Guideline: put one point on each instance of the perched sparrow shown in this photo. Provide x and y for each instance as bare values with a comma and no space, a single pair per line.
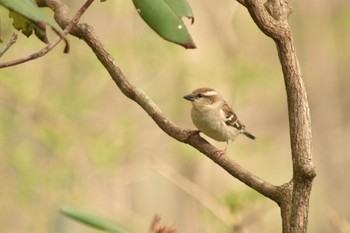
212,116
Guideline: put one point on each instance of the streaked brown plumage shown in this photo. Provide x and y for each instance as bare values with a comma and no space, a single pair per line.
214,117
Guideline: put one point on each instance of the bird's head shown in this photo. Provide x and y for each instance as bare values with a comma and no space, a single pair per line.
205,98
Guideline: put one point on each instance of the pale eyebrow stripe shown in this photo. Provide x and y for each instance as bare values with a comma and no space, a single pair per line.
209,93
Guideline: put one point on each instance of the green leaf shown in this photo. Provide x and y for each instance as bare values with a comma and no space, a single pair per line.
181,8
28,17
165,18
92,220
27,27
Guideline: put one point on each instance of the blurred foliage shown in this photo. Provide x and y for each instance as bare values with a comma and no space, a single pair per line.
69,137
240,200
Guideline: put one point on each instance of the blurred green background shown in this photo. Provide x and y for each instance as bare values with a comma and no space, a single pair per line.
69,137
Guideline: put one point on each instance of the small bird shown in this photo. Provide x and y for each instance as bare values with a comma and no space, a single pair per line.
211,115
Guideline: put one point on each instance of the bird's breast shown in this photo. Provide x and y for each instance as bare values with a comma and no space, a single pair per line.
213,126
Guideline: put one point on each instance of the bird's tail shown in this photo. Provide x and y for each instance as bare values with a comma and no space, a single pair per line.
249,135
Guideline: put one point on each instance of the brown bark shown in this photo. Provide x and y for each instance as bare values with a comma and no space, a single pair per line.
271,18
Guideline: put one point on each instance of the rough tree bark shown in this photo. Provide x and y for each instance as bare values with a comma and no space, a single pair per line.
271,18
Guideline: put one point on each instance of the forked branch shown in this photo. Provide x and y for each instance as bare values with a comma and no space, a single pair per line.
271,18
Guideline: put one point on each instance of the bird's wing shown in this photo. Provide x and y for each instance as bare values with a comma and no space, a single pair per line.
231,117
232,120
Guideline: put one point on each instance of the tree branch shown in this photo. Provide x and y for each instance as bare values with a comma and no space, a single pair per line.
271,18
86,33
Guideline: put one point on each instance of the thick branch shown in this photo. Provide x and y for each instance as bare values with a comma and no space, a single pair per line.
299,113
300,135
86,32
271,18
265,21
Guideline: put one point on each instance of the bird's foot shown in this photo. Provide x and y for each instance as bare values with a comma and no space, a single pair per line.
191,133
220,153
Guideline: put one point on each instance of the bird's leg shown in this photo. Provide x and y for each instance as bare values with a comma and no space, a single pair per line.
226,147
220,153
190,133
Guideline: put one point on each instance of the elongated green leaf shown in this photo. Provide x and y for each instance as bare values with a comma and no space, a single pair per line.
92,220
165,18
33,19
181,8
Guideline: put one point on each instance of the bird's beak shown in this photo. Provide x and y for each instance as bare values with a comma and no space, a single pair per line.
189,97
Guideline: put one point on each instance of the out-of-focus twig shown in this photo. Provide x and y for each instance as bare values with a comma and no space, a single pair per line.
11,42
339,221
157,228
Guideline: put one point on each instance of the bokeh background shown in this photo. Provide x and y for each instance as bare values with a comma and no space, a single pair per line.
68,137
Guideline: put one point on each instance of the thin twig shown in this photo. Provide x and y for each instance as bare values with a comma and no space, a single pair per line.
33,56
53,44
11,41
77,16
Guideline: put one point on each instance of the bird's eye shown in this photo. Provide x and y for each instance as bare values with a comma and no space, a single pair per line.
199,95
